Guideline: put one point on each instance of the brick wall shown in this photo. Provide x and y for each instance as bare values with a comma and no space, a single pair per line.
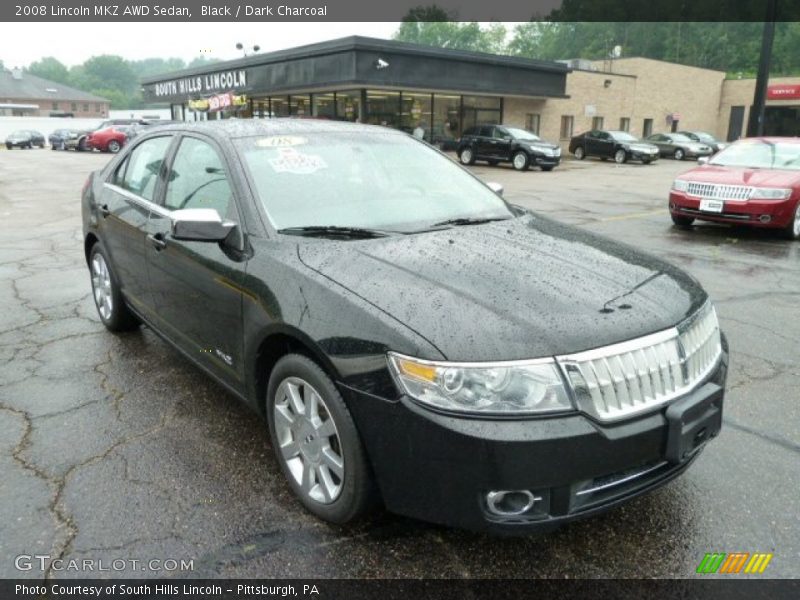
46,107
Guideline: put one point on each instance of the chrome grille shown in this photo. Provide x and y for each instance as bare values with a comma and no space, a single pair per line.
719,191
622,380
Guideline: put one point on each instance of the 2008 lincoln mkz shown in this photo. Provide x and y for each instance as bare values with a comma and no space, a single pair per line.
410,337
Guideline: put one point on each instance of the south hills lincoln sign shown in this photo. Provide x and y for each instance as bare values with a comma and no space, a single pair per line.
201,84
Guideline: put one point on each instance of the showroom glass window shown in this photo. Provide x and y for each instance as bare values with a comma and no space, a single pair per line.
446,118
143,167
279,106
348,105
300,106
383,108
478,110
325,105
416,110
198,179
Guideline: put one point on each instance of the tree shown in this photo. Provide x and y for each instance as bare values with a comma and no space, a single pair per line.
50,68
451,34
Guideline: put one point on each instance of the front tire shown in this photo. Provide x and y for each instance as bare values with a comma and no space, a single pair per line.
108,300
316,441
679,154
620,157
466,156
580,153
114,146
792,231
682,222
521,160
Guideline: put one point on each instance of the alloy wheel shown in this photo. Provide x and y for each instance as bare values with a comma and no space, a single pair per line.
101,286
308,440
678,154
519,161
579,153
466,156
796,225
620,157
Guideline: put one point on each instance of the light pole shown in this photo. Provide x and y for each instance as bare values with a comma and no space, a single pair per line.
755,124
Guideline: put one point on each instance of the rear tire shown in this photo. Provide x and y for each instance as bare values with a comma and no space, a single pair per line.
466,156
108,300
313,436
682,222
580,153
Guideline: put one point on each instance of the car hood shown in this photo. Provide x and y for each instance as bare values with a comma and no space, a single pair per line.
742,176
540,145
641,146
523,288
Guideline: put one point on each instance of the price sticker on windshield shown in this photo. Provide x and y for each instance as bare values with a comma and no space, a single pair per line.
281,141
709,205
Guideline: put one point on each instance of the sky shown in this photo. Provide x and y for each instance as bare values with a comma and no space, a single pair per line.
73,43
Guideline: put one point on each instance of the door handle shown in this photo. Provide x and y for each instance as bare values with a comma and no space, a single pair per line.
104,210
157,240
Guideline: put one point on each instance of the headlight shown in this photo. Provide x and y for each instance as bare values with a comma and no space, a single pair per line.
771,193
679,185
518,387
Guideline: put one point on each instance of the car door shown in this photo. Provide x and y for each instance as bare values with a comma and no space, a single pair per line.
502,143
196,285
663,143
485,141
127,199
592,143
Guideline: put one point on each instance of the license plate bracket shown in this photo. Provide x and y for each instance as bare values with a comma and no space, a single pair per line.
711,205
692,421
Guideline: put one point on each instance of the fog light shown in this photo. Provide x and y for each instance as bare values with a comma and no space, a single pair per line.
672,206
509,503
765,218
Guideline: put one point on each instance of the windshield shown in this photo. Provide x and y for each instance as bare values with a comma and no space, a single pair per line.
760,154
523,134
380,180
623,136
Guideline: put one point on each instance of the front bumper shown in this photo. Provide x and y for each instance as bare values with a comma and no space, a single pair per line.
758,213
644,155
546,161
440,468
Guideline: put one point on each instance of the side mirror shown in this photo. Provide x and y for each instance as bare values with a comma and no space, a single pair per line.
497,188
703,160
200,225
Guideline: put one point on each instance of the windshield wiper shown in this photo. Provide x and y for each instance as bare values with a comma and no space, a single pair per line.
469,221
336,230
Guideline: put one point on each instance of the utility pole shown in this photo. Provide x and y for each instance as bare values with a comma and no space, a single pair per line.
755,124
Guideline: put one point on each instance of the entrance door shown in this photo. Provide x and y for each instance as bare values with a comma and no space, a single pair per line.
735,123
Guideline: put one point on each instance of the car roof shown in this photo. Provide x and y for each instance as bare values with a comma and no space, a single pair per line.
239,128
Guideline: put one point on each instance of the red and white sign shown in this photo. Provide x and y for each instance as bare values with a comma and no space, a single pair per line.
783,91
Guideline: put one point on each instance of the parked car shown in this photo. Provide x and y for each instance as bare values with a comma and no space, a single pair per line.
24,138
619,145
705,138
111,139
83,145
500,143
754,181
64,139
408,335
679,146
136,128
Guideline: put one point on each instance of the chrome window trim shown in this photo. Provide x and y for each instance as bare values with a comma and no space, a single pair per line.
143,202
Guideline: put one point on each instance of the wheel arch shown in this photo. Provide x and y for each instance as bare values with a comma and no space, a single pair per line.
272,345
88,244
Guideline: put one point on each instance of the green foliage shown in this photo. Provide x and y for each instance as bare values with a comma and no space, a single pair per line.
432,26
50,68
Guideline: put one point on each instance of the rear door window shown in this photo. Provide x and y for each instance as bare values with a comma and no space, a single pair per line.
144,166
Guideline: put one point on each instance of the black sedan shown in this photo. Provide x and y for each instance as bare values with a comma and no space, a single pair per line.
705,138
619,145
24,138
408,336
64,139
497,143
679,146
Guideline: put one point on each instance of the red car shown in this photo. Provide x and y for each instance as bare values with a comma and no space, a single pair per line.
755,181
110,139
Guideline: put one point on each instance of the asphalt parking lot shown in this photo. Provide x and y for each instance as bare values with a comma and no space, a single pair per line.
115,447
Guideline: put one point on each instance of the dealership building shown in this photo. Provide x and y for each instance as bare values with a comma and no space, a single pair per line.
444,91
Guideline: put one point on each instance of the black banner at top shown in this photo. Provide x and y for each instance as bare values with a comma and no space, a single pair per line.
394,11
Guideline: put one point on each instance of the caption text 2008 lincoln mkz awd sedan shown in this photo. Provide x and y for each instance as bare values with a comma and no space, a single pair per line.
410,338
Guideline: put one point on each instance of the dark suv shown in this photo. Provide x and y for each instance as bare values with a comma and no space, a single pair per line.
498,143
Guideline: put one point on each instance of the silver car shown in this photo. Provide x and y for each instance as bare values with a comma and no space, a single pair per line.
679,146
